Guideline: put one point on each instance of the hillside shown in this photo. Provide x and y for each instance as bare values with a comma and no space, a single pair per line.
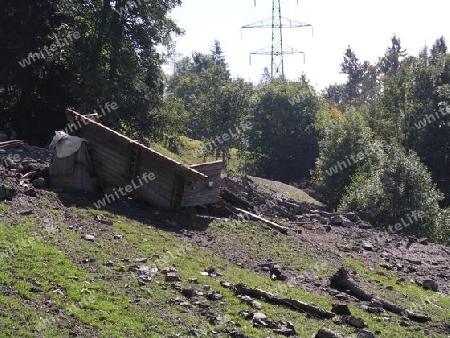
133,270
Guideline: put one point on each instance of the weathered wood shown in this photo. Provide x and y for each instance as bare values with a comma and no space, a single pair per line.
342,280
271,224
234,199
313,310
11,144
119,160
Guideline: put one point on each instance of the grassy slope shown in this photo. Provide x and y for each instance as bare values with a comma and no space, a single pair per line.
53,282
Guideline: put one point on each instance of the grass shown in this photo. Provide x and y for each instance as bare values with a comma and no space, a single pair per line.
108,301
267,186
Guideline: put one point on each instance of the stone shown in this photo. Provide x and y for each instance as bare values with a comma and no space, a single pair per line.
189,292
140,260
276,270
283,328
423,241
38,183
365,226
326,333
259,319
430,284
172,277
365,334
367,246
340,309
89,238
356,322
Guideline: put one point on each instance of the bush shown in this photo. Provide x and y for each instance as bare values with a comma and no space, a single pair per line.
398,185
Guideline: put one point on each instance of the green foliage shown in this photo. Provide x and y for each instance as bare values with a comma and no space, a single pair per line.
344,138
114,54
395,187
413,110
216,103
283,141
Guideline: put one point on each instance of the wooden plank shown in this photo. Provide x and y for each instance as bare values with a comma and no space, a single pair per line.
175,185
271,224
11,144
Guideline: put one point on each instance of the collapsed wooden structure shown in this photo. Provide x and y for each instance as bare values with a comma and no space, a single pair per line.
118,160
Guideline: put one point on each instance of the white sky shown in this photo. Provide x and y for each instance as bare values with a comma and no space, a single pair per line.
367,26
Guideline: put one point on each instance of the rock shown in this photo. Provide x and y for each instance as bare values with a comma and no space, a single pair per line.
144,273
365,226
356,322
326,333
225,284
423,241
259,319
189,292
365,334
109,263
214,295
283,328
340,309
276,270
246,314
430,284
24,212
140,260
38,183
351,216
367,246
341,296
172,277
210,270
339,220
328,228
168,269
89,238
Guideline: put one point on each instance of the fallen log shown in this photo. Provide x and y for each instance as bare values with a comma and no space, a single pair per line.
234,199
341,280
313,310
271,224
11,144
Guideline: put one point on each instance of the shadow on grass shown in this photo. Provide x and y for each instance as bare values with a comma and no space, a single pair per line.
174,221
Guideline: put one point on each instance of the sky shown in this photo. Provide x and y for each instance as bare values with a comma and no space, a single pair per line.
367,26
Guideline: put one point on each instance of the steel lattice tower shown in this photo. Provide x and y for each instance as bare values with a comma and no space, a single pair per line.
277,50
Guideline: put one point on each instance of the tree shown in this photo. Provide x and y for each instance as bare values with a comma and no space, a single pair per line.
215,102
346,143
390,63
283,140
115,50
355,71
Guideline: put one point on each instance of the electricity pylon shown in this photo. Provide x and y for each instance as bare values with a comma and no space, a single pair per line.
276,51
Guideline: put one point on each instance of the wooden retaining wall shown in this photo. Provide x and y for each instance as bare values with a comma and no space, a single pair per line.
120,160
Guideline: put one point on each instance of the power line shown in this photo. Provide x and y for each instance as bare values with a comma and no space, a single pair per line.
277,50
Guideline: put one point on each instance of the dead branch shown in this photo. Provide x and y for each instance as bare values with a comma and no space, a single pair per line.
342,280
313,310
